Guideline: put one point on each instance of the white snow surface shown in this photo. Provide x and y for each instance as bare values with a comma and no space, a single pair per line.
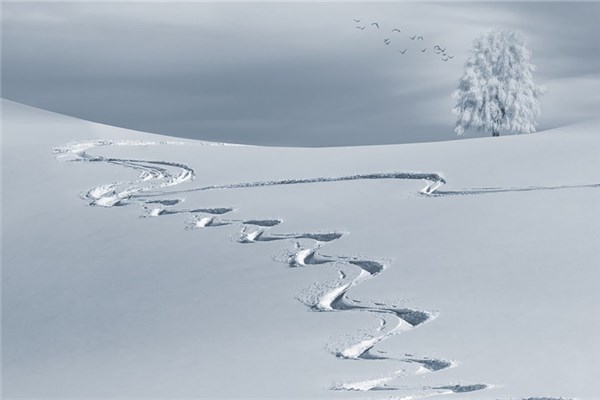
495,237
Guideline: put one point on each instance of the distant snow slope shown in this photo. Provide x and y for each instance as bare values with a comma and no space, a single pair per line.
136,266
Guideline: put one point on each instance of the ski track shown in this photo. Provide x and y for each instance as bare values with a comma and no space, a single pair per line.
434,180
154,176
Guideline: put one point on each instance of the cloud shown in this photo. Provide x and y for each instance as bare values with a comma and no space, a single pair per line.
274,73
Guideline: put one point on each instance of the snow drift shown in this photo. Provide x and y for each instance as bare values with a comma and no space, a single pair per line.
465,269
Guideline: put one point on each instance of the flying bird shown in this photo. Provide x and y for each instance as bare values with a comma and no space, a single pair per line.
387,41
357,20
420,38
412,37
362,28
375,24
402,51
396,30
423,51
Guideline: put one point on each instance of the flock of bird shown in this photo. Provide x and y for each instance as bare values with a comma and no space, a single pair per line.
437,49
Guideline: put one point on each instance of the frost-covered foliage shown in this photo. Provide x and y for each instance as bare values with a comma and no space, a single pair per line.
496,91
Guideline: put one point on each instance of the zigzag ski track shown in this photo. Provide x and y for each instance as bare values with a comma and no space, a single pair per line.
151,192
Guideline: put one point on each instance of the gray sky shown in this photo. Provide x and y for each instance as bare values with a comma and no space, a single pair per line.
296,74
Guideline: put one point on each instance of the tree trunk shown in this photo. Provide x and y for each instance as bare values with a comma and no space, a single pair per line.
495,133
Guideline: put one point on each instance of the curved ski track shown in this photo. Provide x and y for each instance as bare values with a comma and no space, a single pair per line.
320,297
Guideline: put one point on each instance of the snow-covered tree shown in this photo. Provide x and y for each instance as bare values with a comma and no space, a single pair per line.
496,92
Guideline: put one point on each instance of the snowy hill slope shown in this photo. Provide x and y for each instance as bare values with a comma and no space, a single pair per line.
136,265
